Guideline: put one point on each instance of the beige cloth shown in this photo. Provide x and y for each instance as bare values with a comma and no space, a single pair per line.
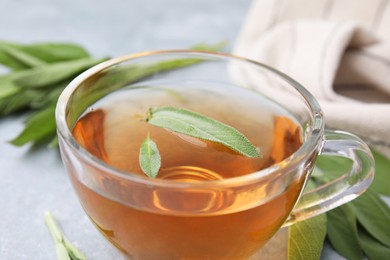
338,49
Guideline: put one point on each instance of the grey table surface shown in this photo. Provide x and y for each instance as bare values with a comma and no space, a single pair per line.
35,181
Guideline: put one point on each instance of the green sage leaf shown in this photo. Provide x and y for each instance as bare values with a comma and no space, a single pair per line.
374,215
196,125
54,52
332,167
64,249
10,62
38,127
38,88
381,181
208,47
22,57
306,238
7,89
372,247
62,252
149,157
18,101
53,73
342,232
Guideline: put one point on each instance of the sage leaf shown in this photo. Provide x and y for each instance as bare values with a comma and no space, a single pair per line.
24,58
374,215
53,73
207,47
149,157
61,252
39,126
23,99
73,252
47,97
54,52
199,126
17,101
53,143
306,238
371,247
29,89
64,249
332,167
9,62
342,232
381,182
7,89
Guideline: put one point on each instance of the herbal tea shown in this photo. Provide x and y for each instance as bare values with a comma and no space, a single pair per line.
212,224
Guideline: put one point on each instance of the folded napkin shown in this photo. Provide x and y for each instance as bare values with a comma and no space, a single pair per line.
338,50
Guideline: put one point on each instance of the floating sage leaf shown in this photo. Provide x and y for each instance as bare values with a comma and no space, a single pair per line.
149,157
22,57
371,247
342,232
374,215
381,181
64,249
199,126
306,238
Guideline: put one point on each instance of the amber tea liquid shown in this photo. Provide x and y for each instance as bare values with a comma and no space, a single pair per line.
148,223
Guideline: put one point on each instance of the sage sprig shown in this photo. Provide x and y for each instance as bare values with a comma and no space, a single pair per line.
64,249
39,72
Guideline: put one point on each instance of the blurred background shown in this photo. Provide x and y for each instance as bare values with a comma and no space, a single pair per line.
119,27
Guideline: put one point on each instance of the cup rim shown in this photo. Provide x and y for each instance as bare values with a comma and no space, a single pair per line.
288,163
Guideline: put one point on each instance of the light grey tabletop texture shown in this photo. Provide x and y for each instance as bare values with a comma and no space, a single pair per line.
32,182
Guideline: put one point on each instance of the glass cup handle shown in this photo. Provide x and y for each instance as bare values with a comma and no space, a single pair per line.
343,189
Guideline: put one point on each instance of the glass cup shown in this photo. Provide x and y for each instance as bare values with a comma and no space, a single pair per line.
230,218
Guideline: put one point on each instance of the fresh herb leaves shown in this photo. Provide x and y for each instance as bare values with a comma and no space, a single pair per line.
39,73
360,227
374,215
34,131
342,232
